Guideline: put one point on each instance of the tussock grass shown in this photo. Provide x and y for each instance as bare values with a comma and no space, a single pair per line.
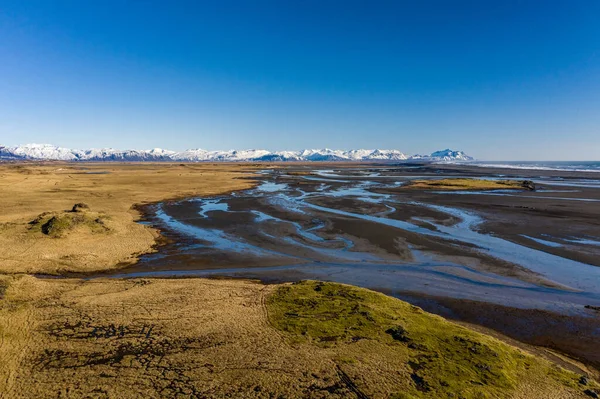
58,225
469,184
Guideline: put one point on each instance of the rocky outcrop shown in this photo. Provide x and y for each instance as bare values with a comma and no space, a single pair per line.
528,185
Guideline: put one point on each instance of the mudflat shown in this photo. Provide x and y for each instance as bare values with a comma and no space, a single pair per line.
524,252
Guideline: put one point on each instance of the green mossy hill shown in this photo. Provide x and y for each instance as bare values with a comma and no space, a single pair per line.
471,184
383,340
60,224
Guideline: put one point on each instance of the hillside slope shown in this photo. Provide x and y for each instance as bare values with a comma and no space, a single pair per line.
198,338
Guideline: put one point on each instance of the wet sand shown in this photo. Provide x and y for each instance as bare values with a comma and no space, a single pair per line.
510,253
573,335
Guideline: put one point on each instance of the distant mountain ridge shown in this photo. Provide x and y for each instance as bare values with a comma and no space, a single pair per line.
51,152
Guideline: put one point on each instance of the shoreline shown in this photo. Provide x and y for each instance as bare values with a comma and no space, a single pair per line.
114,191
529,165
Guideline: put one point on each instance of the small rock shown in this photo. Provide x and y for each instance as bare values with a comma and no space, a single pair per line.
49,226
528,184
583,380
398,333
80,207
591,393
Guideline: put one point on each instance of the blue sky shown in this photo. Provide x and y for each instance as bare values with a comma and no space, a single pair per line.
500,80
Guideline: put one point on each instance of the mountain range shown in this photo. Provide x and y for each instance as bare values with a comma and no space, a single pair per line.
51,152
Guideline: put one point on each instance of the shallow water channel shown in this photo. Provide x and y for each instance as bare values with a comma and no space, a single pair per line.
362,228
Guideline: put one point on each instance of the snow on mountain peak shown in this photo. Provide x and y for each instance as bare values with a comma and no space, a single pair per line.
52,152
449,155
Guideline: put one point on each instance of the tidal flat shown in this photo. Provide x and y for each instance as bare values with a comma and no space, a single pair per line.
516,249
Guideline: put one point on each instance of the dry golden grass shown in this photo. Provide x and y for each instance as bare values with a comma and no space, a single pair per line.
111,190
466,184
214,338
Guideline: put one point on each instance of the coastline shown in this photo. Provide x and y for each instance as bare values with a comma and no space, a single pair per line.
553,166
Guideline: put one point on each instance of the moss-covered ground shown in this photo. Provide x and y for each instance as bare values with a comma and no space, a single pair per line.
431,356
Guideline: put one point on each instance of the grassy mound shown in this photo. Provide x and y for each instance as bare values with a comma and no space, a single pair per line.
59,224
435,358
471,184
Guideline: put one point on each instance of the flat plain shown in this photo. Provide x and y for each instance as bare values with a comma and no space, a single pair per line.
65,337
108,236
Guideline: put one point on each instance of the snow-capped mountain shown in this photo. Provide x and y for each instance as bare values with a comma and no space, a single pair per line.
51,152
43,151
7,154
449,155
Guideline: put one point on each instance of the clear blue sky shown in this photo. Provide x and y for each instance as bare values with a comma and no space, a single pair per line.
498,79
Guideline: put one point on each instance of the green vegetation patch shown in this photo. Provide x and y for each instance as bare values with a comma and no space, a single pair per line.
440,358
472,184
58,225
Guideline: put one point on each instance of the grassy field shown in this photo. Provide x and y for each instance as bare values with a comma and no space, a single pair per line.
201,338
469,184
104,235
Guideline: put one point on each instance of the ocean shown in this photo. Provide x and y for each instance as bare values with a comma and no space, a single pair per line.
575,166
